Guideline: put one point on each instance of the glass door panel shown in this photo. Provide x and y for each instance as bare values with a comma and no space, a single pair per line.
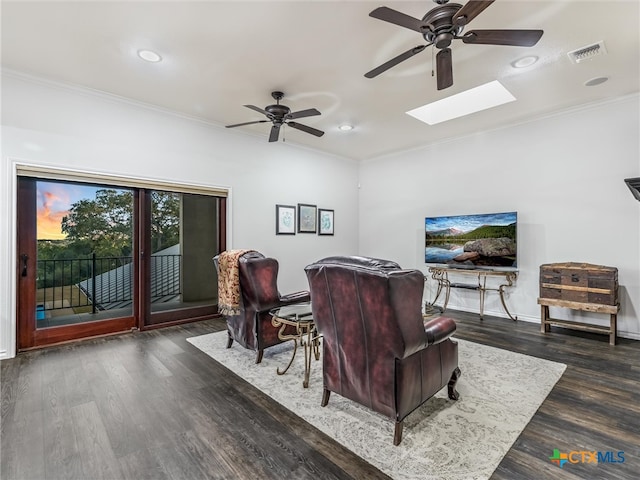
84,244
183,239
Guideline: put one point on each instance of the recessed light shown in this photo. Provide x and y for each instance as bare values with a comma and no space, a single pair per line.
149,56
595,81
345,127
474,100
524,61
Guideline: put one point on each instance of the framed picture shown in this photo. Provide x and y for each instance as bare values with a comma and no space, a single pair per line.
325,221
306,218
285,220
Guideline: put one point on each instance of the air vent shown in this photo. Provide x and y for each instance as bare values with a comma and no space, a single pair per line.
588,52
634,186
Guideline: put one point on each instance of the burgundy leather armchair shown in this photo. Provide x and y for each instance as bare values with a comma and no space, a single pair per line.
377,348
251,327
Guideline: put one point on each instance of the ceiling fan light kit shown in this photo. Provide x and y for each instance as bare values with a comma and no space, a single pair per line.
443,24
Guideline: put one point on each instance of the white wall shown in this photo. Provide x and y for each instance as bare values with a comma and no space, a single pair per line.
47,124
563,175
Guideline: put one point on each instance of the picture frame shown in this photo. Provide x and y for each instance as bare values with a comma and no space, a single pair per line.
307,218
325,221
285,220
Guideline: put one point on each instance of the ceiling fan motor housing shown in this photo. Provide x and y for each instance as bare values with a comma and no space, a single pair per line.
278,111
439,27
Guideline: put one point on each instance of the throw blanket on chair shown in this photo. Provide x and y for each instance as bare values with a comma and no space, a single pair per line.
229,282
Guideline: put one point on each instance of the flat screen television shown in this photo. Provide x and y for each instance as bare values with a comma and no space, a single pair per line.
486,240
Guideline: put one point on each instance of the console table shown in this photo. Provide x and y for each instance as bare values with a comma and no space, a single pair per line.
441,275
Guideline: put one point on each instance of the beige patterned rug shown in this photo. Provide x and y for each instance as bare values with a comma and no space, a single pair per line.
499,393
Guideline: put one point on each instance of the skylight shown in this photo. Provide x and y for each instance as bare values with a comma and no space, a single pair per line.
474,100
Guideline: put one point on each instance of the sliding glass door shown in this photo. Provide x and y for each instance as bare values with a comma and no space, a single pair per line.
97,259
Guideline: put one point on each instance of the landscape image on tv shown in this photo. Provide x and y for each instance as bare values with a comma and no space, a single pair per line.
486,240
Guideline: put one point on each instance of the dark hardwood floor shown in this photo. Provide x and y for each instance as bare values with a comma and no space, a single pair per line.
150,405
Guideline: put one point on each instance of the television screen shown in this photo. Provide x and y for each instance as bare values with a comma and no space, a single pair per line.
487,240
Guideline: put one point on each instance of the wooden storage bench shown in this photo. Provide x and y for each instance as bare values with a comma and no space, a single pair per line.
579,286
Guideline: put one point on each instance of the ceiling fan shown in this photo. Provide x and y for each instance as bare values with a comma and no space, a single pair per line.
443,24
281,115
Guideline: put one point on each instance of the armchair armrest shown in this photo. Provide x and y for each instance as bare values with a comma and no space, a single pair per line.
439,329
296,297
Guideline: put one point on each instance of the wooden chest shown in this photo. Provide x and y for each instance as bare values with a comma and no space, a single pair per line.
579,282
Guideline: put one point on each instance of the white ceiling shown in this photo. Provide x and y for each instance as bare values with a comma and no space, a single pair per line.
220,55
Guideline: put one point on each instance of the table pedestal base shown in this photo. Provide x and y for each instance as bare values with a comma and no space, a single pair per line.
306,334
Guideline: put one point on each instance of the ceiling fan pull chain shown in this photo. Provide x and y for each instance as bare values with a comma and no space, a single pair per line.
433,58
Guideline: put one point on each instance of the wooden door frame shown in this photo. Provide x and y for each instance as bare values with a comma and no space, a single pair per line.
25,276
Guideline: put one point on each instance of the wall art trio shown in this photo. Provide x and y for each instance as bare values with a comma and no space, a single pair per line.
310,219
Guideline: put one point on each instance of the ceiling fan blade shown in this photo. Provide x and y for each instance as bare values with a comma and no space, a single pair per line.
518,38
444,68
470,11
310,112
246,123
259,110
397,18
275,132
305,128
395,61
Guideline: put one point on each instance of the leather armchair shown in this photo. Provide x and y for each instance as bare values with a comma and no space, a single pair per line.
258,278
377,348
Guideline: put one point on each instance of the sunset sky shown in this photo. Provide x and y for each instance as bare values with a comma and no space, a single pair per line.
54,200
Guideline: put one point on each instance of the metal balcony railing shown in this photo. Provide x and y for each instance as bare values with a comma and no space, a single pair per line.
101,282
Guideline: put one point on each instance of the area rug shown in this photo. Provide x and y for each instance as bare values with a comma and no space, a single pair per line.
459,440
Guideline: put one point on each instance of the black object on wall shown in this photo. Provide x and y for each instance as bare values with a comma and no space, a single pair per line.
634,186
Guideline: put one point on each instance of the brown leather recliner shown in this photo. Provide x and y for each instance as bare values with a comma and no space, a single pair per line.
377,348
251,327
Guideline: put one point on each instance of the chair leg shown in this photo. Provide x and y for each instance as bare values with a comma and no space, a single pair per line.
259,356
229,340
325,397
397,435
451,386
